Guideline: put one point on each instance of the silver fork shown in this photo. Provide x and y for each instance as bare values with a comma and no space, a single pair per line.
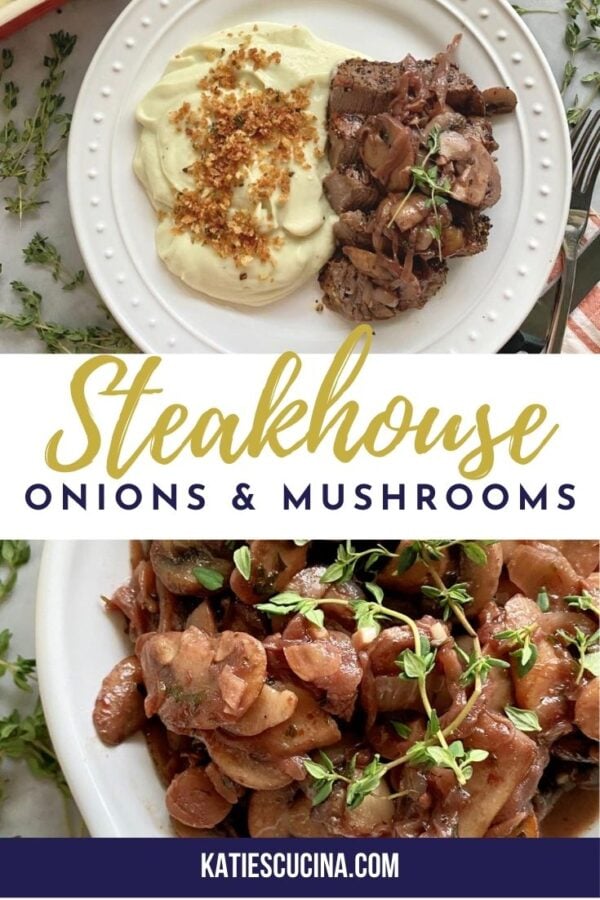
585,141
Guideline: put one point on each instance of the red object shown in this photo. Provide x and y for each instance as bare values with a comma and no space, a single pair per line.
28,16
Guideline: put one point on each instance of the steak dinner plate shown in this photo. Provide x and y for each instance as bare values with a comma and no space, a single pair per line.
485,298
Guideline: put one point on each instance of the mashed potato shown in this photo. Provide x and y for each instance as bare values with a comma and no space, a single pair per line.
275,204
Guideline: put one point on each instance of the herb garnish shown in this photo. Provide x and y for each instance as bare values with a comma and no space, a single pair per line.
524,652
587,648
426,178
209,578
27,151
543,600
41,252
62,338
21,670
413,664
584,602
583,19
401,729
13,555
26,738
523,719
243,561
478,665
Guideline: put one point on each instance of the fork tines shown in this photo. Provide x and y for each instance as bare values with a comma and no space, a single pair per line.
586,153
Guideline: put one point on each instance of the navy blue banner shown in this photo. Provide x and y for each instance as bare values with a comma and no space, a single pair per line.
300,868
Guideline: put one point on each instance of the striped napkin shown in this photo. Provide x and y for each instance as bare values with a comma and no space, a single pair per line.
583,330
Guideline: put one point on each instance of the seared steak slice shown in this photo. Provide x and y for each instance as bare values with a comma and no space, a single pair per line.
360,86
463,94
350,188
468,234
352,295
482,128
424,81
354,227
344,129
355,296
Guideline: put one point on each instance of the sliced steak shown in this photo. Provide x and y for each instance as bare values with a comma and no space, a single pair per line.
360,86
350,188
473,229
463,94
354,228
344,129
355,296
481,127
352,295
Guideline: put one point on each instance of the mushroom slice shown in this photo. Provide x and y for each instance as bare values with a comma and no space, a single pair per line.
482,578
175,561
251,770
587,709
308,728
223,785
273,564
192,799
274,705
268,813
196,681
499,100
119,708
326,659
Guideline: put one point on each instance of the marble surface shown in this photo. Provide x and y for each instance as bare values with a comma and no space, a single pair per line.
30,807
90,20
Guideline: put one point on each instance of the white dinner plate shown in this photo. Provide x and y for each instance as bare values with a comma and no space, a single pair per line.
486,297
116,789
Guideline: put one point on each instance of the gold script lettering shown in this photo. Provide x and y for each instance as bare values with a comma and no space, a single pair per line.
333,412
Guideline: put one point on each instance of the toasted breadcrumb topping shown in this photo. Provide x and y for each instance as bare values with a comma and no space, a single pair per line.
242,136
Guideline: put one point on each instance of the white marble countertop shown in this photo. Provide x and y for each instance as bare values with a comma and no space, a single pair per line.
30,807
90,20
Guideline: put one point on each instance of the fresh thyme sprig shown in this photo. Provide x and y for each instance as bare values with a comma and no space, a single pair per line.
62,338
583,20
413,664
26,738
433,147
587,648
347,559
13,555
27,151
478,664
40,251
21,670
524,650
431,551
584,601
